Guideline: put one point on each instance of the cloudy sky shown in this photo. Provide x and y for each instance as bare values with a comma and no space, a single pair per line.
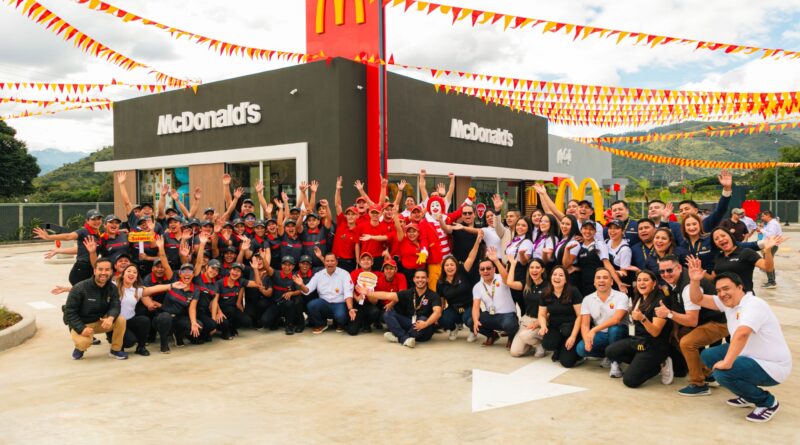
39,56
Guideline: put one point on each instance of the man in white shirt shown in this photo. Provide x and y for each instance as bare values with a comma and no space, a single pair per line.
602,313
335,289
757,354
771,228
500,312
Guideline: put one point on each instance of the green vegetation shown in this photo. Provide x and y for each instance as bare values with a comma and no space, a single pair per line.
8,318
77,182
757,147
763,181
18,166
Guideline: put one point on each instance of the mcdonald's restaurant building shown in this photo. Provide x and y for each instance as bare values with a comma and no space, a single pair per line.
308,122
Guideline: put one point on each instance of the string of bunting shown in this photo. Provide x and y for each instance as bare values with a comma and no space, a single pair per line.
600,93
582,32
92,107
680,162
221,46
60,27
706,132
47,103
80,87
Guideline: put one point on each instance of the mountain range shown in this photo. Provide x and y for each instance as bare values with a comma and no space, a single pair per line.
50,159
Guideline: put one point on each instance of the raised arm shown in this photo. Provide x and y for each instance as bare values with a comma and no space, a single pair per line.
226,189
470,261
422,186
384,190
398,197
176,198
451,188
696,274
547,203
126,201
193,209
499,228
767,264
312,202
491,253
360,187
162,201
337,196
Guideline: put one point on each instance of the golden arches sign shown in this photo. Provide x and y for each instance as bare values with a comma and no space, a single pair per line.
338,12
578,192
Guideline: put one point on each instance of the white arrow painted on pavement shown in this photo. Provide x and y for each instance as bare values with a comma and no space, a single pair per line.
531,382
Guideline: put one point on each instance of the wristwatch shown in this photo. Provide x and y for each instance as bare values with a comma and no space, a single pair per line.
669,315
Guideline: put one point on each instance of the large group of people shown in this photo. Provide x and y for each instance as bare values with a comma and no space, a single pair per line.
663,295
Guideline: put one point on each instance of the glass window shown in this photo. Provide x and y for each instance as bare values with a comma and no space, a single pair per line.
278,176
177,179
509,191
485,188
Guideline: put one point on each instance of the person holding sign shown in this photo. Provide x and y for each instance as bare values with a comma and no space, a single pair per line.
414,313
367,313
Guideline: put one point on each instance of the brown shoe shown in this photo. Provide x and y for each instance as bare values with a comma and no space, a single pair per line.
491,339
321,329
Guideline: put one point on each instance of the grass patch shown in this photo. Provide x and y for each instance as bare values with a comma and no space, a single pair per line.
8,318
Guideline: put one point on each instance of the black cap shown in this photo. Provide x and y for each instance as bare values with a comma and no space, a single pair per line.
110,218
194,222
208,209
147,204
294,209
136,206
230,249
171,209
249,214
93,214
270,220
238,221
312,215
239,266
185,266
156,261
305,259
248,201
589,223
615,222
123,255
260,223
288,221
185,223
206,222
143,219
227,223
287,259
215,264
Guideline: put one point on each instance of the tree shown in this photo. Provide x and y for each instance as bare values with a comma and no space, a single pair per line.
18,167
788,178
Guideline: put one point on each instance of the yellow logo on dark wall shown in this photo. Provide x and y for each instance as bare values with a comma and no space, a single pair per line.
338,11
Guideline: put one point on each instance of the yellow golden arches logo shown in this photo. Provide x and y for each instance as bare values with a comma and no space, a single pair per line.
338,11
578,192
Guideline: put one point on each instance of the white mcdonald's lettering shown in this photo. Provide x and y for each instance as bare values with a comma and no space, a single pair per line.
474,132
338,13
244,113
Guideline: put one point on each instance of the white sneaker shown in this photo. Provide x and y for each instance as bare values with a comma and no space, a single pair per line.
540,352
472,337
615,371
390,337
410,342
666,371
605,363
453,335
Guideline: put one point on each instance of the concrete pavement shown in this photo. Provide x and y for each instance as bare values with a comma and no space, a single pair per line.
265,387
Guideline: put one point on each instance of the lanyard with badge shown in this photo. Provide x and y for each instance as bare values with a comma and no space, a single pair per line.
490,295
416,307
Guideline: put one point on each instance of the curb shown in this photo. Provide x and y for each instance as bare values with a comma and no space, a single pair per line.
17,334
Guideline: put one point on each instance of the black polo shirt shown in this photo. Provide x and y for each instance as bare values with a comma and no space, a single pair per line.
228,291
176,301
315,238
207,290
533,297
281,283
83,233
113,248
292,247
741,261
410,304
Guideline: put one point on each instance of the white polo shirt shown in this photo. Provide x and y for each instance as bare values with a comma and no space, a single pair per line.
333,288
602,311
772,228
766,345
495,294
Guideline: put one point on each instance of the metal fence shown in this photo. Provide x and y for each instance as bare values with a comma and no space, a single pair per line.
16,219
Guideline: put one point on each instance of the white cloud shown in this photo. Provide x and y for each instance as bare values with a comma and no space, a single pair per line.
413,38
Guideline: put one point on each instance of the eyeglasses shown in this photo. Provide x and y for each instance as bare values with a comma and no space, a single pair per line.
467,213
664,271
482,269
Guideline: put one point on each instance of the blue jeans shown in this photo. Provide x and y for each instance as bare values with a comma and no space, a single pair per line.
497,322
451,317
743,379
401,327
601,340
319,311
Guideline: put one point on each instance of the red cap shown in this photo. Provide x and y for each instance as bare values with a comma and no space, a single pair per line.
414,226
363,254
413,208
361,198
389,262
375,208
351,209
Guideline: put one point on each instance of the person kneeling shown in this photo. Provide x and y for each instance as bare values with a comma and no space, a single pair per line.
494,293
602,313
413,313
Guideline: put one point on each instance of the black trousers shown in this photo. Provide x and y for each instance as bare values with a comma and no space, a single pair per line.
208,325
554,341
236,318
81,270
166,324
136,330
347,264
255,308
519,275
291,310
643,364
366,315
